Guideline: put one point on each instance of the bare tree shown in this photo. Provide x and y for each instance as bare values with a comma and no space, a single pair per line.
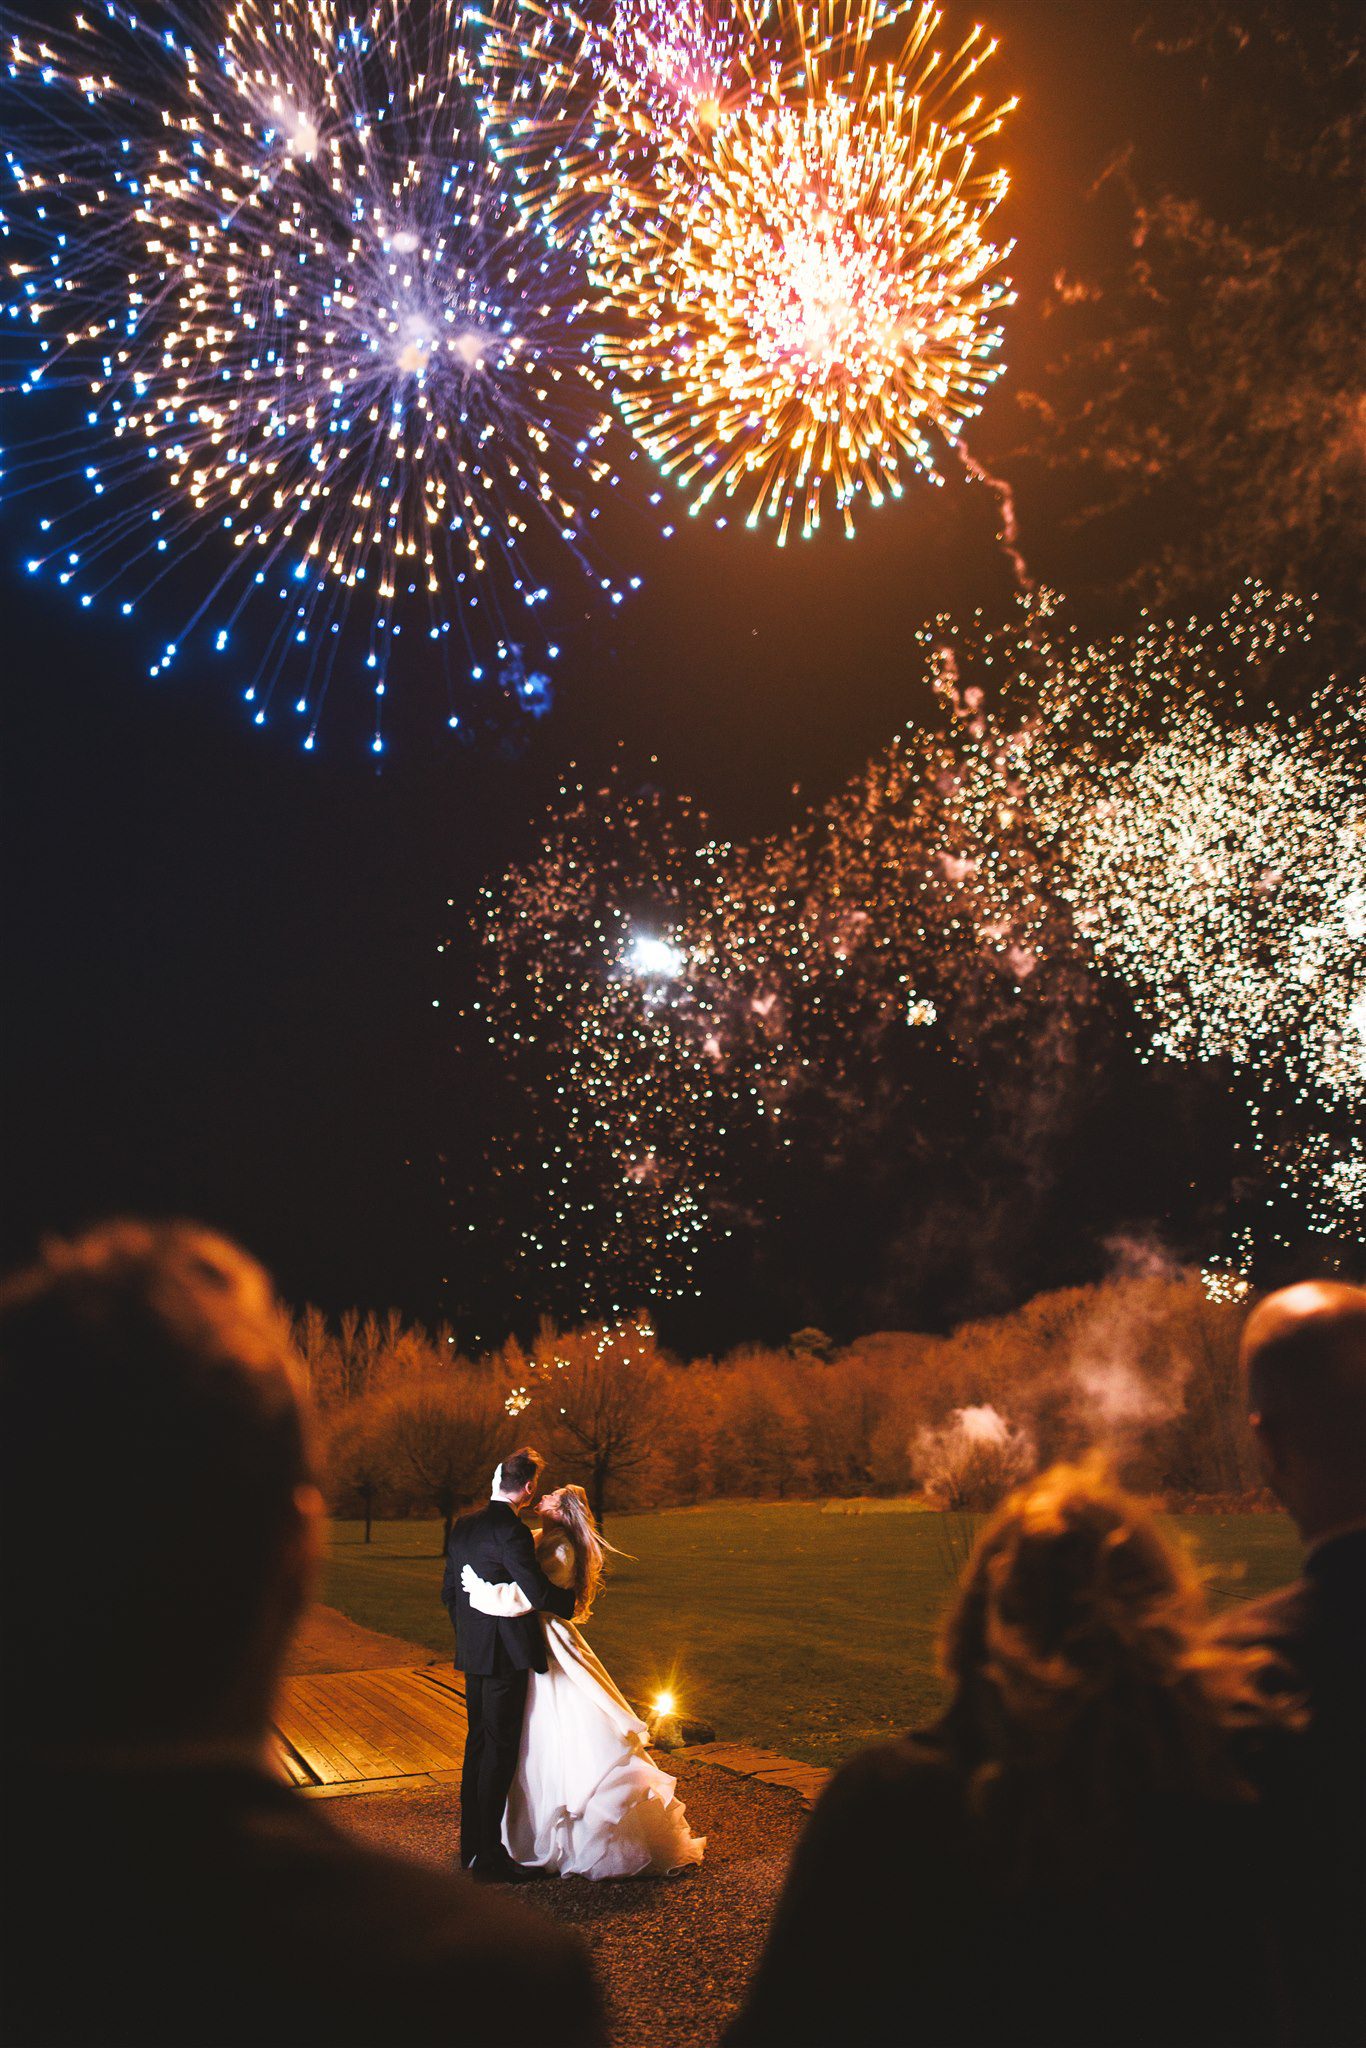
354,1356
445,1435
318,1354
357,1456
760,1443
600,1392
1205,391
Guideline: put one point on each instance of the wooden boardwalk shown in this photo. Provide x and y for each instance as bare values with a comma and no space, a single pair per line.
377,1731
363,1731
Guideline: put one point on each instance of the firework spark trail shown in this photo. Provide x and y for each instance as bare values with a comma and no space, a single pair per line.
800,297
685,1005
578,106
680,58
1224,875
327,355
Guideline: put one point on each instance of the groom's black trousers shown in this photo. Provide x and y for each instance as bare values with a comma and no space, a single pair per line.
495,1706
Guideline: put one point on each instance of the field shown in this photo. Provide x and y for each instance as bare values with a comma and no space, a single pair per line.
803,1630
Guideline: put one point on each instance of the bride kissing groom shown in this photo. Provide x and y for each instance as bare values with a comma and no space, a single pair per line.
556,1778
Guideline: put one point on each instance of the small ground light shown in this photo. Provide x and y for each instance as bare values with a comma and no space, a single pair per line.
664,1731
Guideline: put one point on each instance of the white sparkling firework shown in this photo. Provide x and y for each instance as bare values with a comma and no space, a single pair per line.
1221,872
1216,861
322,358
1084,805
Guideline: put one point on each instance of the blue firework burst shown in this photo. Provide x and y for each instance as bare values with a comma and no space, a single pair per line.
275,334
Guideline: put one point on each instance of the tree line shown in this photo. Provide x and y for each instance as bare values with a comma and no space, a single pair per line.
1143,1366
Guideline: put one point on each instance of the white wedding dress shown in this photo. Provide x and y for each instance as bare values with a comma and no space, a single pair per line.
586,1801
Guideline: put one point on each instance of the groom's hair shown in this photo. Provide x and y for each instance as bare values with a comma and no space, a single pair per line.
523,1468
152,1441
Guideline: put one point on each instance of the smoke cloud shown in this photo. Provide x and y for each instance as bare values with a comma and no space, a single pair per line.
972,1460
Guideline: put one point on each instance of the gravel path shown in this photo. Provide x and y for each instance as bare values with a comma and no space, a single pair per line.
673,1953
327,1640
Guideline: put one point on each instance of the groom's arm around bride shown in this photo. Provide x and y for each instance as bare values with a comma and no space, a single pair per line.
497,1544
496,1653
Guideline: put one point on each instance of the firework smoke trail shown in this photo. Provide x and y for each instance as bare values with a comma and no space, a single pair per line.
800,297
330,363
1008,535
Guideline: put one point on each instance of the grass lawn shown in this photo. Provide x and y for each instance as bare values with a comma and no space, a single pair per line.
807,1632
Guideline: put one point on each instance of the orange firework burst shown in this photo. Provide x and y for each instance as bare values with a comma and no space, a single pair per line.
803,311
800,293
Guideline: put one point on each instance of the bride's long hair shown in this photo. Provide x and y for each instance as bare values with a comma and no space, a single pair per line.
591,1548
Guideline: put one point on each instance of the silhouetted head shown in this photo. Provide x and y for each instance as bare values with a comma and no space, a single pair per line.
1304,1362
518,1477
1089,1682
160,1521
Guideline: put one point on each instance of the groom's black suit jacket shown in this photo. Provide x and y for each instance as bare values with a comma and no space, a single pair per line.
499,1547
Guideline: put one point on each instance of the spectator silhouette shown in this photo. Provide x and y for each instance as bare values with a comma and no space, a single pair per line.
1072,1855
160,1527
1304,1363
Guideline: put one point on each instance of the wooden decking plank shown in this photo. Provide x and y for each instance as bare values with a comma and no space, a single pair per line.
371,1721
412,1684
449,1683
327,1767
440,1740
418,1707
302,1729
372,1717
439,1748
423,1780
348,1729
328,1749
331,1723
287,1761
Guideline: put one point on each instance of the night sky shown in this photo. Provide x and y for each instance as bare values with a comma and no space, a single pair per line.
221,955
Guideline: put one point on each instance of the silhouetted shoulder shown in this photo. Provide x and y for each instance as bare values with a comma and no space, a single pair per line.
914,1775
397,1938
920,1760
218,1907
875,1878
1317,1626
1275,1620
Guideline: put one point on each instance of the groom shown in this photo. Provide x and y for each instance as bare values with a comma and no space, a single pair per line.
496,1653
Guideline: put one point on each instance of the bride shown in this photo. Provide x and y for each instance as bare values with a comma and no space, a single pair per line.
586,1801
